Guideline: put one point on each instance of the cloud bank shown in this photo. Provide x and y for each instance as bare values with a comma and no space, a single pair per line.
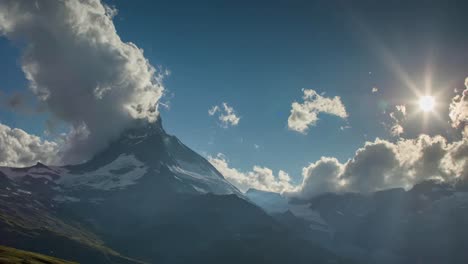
260,178
377,165
81,70
303,115
382,164
226,115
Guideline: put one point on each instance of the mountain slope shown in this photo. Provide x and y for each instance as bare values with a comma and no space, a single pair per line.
269,201
147,197
16,256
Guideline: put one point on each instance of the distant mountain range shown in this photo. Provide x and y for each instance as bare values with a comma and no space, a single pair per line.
147,198
426,224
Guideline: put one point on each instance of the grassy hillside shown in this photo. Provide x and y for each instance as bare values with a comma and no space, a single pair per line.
13,256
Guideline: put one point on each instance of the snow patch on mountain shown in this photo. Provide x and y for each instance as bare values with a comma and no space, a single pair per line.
303,211
37,171
64,198
203,178
120,173
198,169
198,189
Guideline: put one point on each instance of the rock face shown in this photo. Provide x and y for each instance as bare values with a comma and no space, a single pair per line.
147,197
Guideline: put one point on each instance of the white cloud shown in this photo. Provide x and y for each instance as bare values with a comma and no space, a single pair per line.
382,164
397,130
319,177
398,117
18,148
226,114
212,111
375,89
377,165
260,178
372,167
459,110
78,66
303,115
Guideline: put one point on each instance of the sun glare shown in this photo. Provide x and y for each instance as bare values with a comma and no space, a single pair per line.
427,103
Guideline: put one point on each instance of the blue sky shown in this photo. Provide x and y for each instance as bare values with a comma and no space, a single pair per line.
258,56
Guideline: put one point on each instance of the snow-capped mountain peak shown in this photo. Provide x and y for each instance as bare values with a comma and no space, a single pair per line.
143,152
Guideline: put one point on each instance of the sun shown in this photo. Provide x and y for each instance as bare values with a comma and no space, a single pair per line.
427,103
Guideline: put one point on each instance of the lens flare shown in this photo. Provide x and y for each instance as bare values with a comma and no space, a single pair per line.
427,103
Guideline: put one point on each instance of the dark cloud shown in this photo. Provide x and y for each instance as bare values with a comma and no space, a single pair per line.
16,101
20,102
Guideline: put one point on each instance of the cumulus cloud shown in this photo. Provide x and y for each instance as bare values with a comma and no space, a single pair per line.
18,148
398,116
303,115
372,167
319,177
375,89
81,70
226,114
382,164
378,165
459,110
260,178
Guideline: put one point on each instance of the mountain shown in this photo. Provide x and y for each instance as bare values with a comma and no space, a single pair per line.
147,198
425,224
143,151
